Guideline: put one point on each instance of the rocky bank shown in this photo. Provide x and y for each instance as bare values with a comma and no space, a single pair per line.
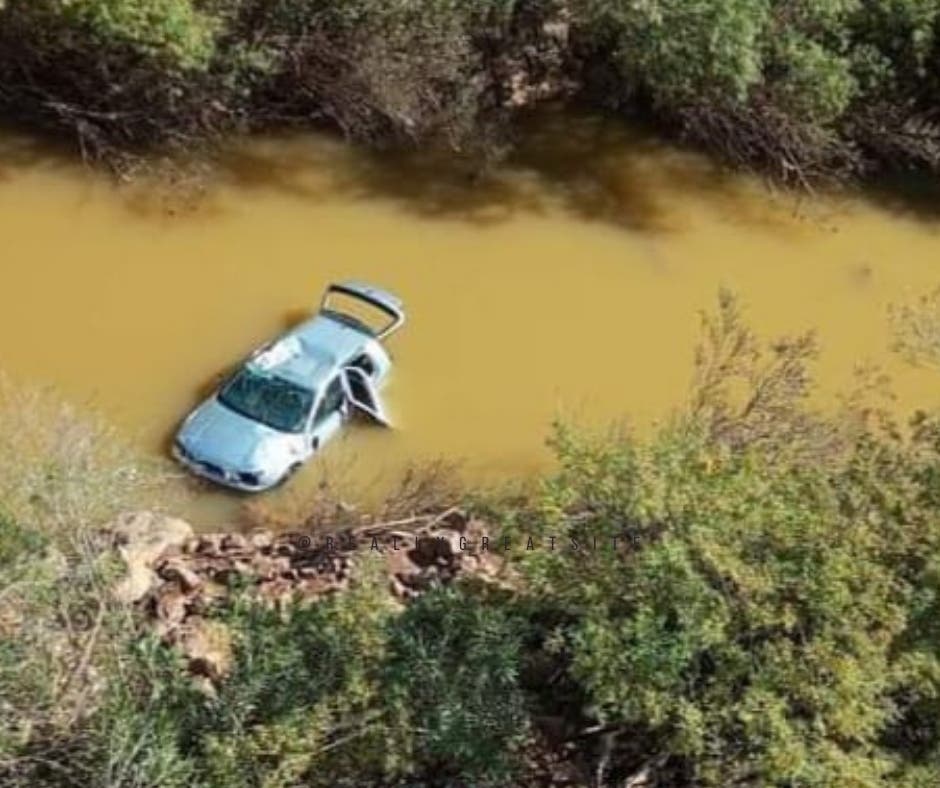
175,576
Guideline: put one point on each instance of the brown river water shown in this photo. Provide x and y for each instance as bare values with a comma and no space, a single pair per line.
567,283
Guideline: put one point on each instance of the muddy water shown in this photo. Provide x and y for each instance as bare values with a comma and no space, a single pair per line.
565,284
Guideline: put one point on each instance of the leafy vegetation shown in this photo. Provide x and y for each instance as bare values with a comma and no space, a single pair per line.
804,89
917,330
126,74
748,597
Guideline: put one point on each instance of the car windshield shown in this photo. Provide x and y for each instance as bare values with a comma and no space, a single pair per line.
273,401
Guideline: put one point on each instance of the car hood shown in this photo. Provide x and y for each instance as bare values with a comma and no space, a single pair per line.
217,434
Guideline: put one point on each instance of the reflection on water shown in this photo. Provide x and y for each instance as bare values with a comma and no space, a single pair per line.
565,282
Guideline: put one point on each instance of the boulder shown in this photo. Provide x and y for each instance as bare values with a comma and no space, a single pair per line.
141,538
182,574
136,584
261,540
234,542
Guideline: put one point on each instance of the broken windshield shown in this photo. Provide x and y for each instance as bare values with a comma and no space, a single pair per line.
273,401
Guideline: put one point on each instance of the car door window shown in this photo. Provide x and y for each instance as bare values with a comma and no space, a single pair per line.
332,400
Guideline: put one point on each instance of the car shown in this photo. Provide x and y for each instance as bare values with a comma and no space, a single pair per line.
291,396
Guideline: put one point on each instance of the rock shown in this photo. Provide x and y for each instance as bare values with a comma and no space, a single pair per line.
266,568
319,586
242,567
208,545
212,592
179,572
261,540
225,575
399,563
234,542
141,538
276,590
453,539
204,685
399,589
144,536
135,585
285,549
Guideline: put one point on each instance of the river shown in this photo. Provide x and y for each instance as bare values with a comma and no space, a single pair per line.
567,282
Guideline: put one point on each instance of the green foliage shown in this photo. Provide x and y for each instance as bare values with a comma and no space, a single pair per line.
680,49
343,692
123,73
917,330
133,736
172,29
745,619
763,619
300,684
819,83
805,88
787,84
452,682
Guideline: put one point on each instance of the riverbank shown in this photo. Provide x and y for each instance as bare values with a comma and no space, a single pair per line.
804,93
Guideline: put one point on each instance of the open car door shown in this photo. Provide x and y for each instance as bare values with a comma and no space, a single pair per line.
361,393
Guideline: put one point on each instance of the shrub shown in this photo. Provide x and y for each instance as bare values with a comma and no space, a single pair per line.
916,328
762,619
345,692
127,74
453,686
802,87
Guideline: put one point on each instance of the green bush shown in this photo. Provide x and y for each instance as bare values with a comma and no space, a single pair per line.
343,692
131,74
763,619
680,50
801,86
174,29
453,686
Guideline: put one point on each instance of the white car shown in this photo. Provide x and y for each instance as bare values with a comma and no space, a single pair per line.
294,394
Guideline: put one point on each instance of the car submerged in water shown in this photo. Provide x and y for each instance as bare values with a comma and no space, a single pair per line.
294,394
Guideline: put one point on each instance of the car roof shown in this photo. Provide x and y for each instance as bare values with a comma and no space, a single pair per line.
311,353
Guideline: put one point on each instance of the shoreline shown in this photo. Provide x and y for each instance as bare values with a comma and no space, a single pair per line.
121,89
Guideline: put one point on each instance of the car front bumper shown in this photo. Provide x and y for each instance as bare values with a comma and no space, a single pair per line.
217,474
